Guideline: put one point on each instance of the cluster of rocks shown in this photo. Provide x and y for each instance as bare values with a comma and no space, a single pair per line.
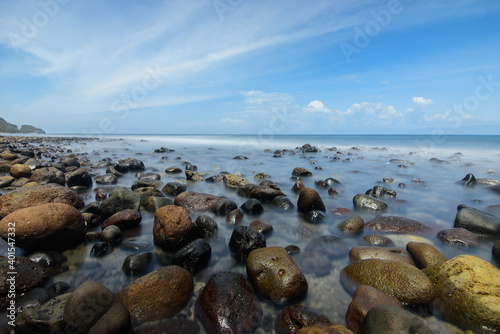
43,203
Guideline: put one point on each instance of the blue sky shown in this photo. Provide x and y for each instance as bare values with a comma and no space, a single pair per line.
256,67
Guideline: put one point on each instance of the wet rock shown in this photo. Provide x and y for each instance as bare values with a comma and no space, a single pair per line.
402,281
80,178
215,178
157,295
298,186
48,259
496,251
243,240
205,226
266,192
364,298
34,298
172,326
129,164
173,170
118,200
153,203
299,171
309,199
324,329
228,303
375,240
194,256
252,207
196,202
352,224
467,293
458,237
283,203
47,175
293,318
261,226
147,183
111,170
19,170
342,212
360,253
46,226
173,228
29,276
112,235
468,180
331,246
235,181
234,217
395,224
106,179
193,176
6,180
495,188
365,202
124,219
137,264
275,275
389,319
106,313
261,176
424,254
174,188
36,195
245,189
100,249
223,206
332,192
479,222
378,192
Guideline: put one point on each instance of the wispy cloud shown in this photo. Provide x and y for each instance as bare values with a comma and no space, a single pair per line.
421,101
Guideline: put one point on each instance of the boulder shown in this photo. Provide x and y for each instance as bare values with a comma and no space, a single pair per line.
205,226
158,295
403,281
20,170
173,228
482,223
300,171
80,178
45,226
47,318
396,224
309,200
252,207
124,219
295,317
266,192
424,254
107,178
352,224
196,202
360,253
174,188
244,240
47,175
194,256
119,199
36,195
228,304
223,206
275,275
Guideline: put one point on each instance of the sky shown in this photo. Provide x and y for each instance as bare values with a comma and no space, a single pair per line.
251,66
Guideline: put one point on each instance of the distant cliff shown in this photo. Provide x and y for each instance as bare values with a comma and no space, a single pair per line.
6,127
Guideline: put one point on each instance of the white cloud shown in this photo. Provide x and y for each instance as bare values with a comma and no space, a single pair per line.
316,106
234,121
421,101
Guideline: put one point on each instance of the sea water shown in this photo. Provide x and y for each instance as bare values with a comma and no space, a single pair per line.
358,162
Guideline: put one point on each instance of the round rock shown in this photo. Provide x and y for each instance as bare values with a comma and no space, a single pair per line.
309,200
173,228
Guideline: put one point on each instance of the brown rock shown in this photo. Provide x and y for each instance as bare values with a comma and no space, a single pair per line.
227,304
360,253
298,186
45,226
196,202
395,224
458,236
324,329
19,170
274,274
365,297
31,196
352,224
124,219
425,255
157,295
47,175
375,240
309,199
261,226
402,281
295,317
6,180
299,171
173,228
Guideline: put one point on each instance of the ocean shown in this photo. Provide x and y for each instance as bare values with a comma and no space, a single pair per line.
428,165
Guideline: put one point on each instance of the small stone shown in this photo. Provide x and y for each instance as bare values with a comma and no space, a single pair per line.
375,240
295,317
99,249
252,207
424,254
205,226
352,224
194,256
137,264
458,237
365,202
234,217
390,319
112,235
243,240
299,171
261,226
125,219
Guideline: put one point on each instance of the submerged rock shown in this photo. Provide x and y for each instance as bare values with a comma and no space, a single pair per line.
309,199
396,224
390,319
293,318
365,202
173,228
479,222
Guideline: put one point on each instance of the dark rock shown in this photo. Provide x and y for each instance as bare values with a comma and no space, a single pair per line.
395,224
332,192
295,317
332,182
292,249
479,222
352,224
190,167
46,226
496,251
275,275
402,281
148,176
46,175
36,195
228,304
424,254
223,206
378,191
298,186
173,170
111,170
173,228
158,295
99,249
105,312
153,203
299,171
194,256
243,240
365,202
48,259
119,199
261,226
129,164
196,202
283,203
106,179
124,219
137,264
265,192
147,183
34,298
390,319
234,217
240,157
58,288
458,237
46,318
80,178
215,178
495,188
252,207
468,180
309,199
205,226
178,325
360,253
174,188
112,235
375,240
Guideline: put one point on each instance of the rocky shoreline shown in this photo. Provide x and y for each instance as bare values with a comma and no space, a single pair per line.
56,201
